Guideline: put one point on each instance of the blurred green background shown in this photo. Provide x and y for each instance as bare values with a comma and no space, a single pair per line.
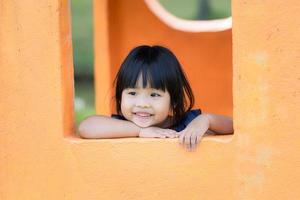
82,36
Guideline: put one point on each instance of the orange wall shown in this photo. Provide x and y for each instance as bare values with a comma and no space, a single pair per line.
40,159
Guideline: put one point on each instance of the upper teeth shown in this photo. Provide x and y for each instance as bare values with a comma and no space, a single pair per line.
143,114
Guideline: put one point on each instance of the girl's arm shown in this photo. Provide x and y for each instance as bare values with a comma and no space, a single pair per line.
98,126
220,124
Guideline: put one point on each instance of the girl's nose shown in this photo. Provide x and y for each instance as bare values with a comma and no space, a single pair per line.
142,103
143,106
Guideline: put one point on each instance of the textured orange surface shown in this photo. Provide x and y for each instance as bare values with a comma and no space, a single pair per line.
40,159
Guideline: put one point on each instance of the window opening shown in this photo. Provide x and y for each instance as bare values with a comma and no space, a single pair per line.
83,55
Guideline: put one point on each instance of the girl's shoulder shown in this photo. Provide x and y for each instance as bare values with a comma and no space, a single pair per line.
194,112
189,116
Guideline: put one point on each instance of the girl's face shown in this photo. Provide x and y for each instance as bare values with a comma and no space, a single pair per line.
145,106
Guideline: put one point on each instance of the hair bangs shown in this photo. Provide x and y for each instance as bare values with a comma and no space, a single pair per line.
153,77
151,73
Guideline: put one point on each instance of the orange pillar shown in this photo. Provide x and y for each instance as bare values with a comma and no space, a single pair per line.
266,90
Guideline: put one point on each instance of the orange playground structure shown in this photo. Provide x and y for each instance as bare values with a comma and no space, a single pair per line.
252,69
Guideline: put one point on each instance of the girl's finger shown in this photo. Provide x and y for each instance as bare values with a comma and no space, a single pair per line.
165,133
181,137
162,136
169,133
187,140
188,143
177,134
173,133
158,135
198,138
193,141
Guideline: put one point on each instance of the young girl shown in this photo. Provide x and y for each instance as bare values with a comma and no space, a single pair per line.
154,100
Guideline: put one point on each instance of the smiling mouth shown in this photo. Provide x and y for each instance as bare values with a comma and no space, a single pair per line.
143,114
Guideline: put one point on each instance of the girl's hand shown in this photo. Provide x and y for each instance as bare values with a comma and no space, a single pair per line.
155,132
193,133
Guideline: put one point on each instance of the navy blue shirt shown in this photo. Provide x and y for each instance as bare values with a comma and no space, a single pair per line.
192,114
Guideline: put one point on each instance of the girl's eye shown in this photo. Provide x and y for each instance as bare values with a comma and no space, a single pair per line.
155,95
132,93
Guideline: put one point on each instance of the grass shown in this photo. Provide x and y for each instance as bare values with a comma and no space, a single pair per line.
84,100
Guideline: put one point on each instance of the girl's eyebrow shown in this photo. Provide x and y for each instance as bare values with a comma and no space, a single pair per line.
151,89
158,90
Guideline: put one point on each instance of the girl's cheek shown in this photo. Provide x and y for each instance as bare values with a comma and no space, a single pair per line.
126,105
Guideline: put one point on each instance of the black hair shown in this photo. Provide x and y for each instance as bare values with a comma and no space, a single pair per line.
160,69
